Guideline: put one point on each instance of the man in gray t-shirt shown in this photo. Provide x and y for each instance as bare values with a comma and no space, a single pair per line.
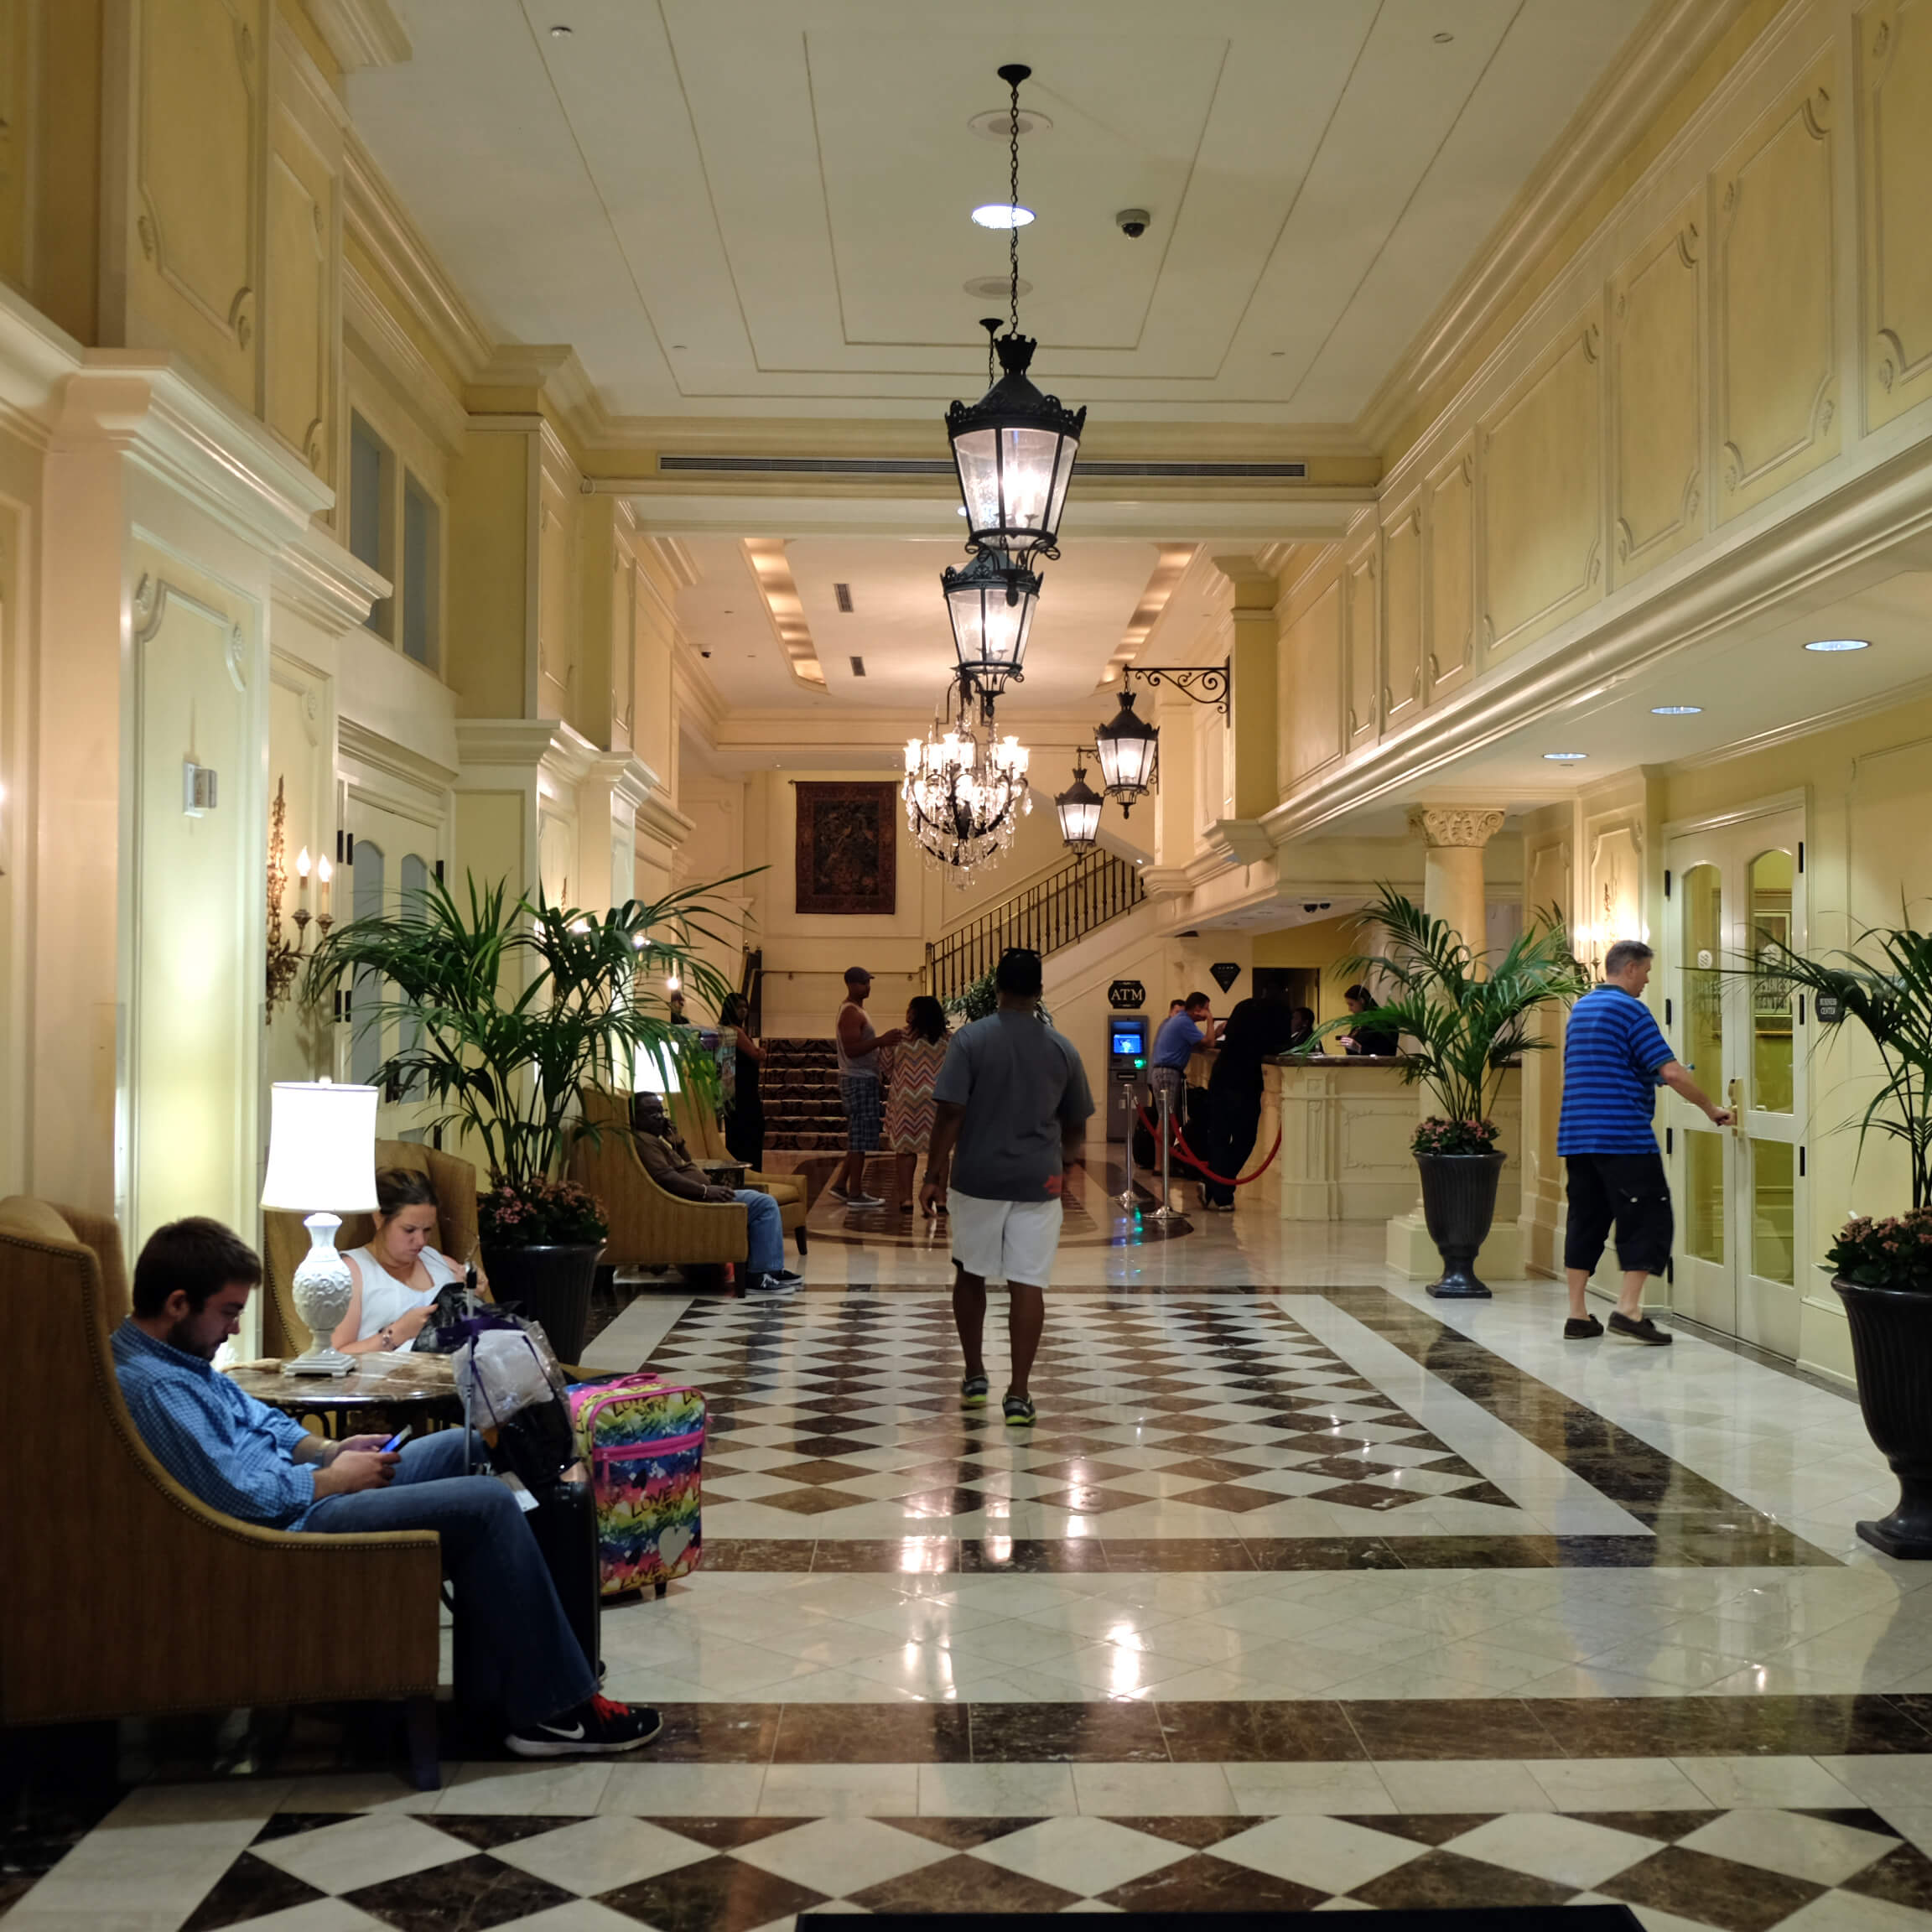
1010,1111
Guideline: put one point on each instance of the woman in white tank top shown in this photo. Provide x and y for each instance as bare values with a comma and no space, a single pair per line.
398,1275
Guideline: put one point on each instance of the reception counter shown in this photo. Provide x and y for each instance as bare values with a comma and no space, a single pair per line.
1346,1125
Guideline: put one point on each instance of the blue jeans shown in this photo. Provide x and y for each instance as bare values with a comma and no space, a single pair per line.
763,1232
512,1641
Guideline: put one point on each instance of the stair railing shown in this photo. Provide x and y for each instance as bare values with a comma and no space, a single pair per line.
1090,889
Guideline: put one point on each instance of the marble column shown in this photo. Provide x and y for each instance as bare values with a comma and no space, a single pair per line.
1453,891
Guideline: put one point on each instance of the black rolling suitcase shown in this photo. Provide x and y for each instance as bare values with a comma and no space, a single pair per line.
564,1523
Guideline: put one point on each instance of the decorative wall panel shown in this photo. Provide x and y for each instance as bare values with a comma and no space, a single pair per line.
300,391
16,51
556,582
1539,461
1658,461
1774,340
1402,682
1895,189
1450,638
1311,686
1363,654
195,270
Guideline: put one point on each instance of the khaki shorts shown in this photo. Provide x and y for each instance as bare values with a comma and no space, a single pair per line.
1003,1240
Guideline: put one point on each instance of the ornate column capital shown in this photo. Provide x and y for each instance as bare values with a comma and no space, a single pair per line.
1455,825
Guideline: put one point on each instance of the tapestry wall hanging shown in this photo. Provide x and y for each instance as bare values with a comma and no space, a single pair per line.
848,848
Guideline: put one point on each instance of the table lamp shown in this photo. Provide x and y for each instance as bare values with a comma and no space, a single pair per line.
321,1147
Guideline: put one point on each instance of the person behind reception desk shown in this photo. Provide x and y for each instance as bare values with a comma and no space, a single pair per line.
1187,1026
1372,1042
1257,1030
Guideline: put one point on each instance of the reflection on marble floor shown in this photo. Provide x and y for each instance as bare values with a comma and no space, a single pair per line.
1305,1593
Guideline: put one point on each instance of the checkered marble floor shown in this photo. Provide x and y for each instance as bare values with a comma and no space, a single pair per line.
844,1419
1837,1868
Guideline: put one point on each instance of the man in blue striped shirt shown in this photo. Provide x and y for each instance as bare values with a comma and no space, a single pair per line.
253,1462
1614,1059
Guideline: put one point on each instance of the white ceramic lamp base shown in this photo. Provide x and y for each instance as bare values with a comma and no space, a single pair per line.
322,1289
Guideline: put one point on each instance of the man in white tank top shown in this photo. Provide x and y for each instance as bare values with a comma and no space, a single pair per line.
858,1048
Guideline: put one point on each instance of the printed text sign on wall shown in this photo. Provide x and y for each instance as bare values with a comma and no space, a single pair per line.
1124,995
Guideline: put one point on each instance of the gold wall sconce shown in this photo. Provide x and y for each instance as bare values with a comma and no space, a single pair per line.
285,956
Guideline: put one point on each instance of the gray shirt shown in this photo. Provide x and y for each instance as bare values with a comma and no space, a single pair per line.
1020,1083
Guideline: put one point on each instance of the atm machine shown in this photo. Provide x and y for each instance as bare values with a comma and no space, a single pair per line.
1126,1072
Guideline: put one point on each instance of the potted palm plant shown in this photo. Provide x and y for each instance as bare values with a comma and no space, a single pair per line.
502,1007
1882,1269
1465,1017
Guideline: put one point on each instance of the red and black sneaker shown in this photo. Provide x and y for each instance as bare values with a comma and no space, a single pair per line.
599,1726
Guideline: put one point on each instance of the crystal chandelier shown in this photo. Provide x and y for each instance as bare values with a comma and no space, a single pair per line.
965,790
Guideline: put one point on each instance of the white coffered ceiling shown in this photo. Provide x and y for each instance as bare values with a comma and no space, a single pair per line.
759,207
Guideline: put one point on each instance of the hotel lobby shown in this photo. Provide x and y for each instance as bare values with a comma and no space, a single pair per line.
698,511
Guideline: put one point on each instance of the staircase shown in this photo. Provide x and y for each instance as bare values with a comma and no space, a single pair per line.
799,1083
1090,889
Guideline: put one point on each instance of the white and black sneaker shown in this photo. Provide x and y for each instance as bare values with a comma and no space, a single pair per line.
864,1203
597,1727
773,1284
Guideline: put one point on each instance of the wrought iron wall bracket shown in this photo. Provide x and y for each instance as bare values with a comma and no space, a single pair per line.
1203,683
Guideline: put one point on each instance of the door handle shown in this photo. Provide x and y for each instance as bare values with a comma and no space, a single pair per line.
1734,1099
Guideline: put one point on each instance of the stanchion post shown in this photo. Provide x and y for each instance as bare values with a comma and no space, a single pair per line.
1165,1211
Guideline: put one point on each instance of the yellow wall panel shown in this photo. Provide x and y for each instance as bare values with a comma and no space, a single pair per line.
1895,187
558,695
1656,358
1451,636
489,516
16,50
1540,465
193,283
299,350
1774,341
1364,691
1311,695
1402,682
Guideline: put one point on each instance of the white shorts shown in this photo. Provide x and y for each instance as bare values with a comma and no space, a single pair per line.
1003,1240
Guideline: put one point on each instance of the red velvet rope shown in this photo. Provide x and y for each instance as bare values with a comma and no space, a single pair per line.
1179,1146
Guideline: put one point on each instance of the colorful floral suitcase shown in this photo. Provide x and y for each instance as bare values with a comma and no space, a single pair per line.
644,1441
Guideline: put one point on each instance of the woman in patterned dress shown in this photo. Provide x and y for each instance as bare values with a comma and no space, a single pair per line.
916,1062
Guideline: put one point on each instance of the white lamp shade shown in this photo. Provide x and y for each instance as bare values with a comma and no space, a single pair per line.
655,1071
321,1147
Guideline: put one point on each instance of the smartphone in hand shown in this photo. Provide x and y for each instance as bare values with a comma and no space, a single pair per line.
397,1440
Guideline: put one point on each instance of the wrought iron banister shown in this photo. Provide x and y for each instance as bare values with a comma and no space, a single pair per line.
1086,892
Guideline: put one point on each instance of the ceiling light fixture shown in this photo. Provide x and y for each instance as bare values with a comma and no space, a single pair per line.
991,604
560,32
1676,710
1015,448
1566,757
965,790
1079,809
1003,215
1840,644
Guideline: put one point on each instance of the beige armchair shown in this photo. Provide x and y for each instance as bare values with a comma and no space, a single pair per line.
697,1124
649,1229
126,1595
285,1240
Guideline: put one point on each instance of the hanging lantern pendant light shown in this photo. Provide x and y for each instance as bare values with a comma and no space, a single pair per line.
1129,748
1079,809
1015,448
991,603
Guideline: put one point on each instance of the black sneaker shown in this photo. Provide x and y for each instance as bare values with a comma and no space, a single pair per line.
600,1728
1641,1330
972,1391
1018,1411
1582,1328
772,1284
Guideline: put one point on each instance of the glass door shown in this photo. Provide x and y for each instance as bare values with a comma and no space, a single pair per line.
1739,1190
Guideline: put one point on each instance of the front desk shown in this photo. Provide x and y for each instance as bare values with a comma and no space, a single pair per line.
1346,1125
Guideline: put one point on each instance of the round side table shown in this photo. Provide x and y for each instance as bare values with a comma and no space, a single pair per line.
385,1390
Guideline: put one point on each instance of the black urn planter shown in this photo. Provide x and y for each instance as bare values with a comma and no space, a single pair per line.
1892,1351
1458,1204
551,1285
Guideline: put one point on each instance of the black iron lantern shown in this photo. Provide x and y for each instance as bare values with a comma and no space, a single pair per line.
1129,748
991,604
1015,448
1079,809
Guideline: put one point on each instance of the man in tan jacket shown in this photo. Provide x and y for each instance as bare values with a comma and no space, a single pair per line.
668,1161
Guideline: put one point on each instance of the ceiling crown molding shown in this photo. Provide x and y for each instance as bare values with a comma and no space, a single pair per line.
361,33
1660,57
374,214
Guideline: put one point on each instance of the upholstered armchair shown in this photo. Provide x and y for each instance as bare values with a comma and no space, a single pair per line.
124,1595
697,1124
649,1229
285,1240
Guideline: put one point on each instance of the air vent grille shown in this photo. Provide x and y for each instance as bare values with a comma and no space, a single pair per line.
668,465
841,596
858,666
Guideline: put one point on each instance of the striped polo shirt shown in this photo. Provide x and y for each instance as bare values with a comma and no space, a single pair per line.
1612,1051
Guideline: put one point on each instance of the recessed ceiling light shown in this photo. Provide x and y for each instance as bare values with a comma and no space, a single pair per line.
1840,644
1676,710
994,287
996,123
1002,215
559,32
1566,757
1443,39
